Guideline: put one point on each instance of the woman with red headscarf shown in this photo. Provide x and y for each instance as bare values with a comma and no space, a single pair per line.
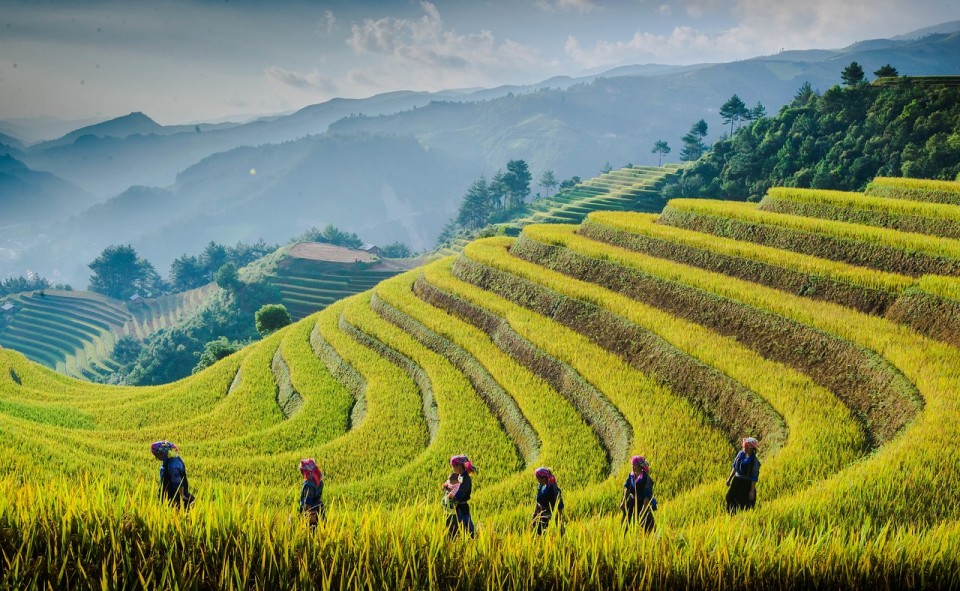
638,501
742,481
311,493
549,500
464,468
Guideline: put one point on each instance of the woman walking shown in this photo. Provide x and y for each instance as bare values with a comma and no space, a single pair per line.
742,481
174,487
637,502
464,468
311,493
549,501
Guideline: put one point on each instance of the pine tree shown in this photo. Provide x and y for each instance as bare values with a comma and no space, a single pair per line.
660,147
734,111
693,146
853,75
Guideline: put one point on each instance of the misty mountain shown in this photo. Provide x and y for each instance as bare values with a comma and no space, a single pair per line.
29,196
272,192
394,166
108,158
8,142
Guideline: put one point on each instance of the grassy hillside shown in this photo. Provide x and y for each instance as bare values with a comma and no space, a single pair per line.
825,332
74,331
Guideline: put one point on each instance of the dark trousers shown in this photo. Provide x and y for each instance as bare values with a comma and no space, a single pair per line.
461,520
644,516
315,515
738,496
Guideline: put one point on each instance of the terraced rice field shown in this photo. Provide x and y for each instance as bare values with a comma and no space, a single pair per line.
74,331
310,282
835,342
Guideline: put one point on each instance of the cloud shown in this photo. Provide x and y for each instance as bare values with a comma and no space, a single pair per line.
578,5
665,10
762,27
329,22
310,81
423,53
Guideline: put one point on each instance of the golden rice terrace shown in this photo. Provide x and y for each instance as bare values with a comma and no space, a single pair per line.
825,324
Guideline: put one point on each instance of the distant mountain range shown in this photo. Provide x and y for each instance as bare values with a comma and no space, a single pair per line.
390,167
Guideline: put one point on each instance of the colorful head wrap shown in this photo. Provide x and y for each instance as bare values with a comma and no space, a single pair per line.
543,472
462,461
309,469
750,443
161,449
641,462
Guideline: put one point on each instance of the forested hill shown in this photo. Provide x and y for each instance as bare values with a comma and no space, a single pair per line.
838,140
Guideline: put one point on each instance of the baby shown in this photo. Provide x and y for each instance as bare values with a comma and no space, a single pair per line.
450,488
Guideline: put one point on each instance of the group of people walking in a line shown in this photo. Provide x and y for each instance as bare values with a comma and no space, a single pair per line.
637,504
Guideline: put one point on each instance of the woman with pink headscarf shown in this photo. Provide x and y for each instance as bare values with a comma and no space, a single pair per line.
464,468
311,493
742,481
638,502
549,500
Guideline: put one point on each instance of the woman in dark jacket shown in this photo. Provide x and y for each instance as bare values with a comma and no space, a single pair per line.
637,502
549,500
464,467
311,493
174,487
742,481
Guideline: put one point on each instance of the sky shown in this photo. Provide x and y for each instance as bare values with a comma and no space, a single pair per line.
183,61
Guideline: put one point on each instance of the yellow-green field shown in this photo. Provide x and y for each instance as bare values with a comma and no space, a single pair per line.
574,346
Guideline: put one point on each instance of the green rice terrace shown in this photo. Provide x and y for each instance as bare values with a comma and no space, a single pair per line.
825,325
74,331
312,275
633,188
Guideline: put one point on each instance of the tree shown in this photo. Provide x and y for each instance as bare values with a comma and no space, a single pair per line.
548,181
734,111
886,71
660,147
212,258
227,277
187,273
853,75
126,350
607,167
476,207
758,112
216,350
517,182
116,271
805,94
31,282
335,235
396,250
498,191
693,146
570,183
271,318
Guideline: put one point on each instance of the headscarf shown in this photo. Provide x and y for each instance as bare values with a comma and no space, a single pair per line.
545,472
163,449
642,463
463,461
750,444
309,469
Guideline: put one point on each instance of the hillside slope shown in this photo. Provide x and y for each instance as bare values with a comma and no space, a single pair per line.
805,322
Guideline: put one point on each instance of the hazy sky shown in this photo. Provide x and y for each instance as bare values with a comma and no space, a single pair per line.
181,61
